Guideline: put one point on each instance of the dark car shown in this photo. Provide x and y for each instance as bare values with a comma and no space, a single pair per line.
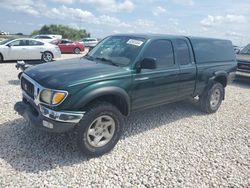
243,59
123,74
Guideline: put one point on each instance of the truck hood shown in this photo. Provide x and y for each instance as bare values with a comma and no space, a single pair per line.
67,73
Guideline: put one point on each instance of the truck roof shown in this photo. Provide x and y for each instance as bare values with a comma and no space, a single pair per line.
152,35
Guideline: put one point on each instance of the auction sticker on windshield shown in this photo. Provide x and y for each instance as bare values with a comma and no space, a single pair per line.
135,42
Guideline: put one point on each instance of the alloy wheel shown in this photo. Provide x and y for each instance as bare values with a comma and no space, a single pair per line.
215,98
101,131
47,57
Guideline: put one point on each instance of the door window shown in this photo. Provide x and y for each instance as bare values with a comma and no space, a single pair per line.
19,43
182,51
35,43
162,51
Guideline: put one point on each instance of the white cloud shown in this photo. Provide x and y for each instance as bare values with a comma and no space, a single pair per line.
127,6
73,13
158,11
182,31
184,2
111,21
174,21
64,1
25,6
234,34
111,5
27,9
143,23
84,16
211,21
116,31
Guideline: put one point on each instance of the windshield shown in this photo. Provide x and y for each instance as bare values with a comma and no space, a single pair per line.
245,50
117,50
5,41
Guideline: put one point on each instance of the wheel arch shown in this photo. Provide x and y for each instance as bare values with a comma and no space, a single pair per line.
114,95
220,76
49,52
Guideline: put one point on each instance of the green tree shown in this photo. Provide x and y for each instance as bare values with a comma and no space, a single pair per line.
65,31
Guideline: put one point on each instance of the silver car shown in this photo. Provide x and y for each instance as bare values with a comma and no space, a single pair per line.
27,49
89,42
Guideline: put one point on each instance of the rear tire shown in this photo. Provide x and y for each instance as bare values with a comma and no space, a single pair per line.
77,50
47,57
100,129
212,97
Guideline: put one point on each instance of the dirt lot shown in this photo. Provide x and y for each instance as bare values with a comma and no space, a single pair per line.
175,145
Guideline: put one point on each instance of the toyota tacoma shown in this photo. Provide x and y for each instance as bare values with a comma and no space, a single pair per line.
122,74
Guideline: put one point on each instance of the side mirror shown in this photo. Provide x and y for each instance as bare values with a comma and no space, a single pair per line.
9,45
148,63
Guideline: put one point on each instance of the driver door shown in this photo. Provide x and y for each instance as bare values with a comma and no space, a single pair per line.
16,50
156,86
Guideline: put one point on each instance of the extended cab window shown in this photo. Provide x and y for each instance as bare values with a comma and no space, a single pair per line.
182,51
162,51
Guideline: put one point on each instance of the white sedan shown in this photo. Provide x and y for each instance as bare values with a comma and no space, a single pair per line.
28,49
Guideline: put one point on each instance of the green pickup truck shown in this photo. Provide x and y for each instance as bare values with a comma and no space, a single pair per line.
122,74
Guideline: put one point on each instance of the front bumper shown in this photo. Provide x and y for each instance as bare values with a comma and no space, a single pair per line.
231,77
47,119
243,72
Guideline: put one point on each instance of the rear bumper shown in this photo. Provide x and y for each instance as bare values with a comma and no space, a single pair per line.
57,54
49,122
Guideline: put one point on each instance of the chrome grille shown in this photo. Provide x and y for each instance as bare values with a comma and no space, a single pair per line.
27,87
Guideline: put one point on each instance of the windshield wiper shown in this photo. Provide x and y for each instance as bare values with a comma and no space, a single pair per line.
106,60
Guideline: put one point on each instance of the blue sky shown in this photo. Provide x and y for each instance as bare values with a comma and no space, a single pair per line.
224,19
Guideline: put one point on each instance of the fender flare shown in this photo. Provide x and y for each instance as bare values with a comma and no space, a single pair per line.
213,78
216,75
104,91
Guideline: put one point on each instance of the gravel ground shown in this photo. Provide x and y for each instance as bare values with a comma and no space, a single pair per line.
171,146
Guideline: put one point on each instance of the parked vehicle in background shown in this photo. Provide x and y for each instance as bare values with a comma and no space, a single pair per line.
4,33
90,42
68,46
49,38
237,49
243,59
28,49
123,74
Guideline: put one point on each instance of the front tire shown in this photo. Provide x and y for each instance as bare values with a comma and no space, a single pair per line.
212,97
100,129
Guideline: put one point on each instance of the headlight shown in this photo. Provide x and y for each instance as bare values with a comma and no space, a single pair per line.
52,97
